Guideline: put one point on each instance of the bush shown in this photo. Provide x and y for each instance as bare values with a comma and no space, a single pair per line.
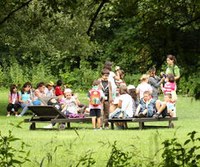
10,156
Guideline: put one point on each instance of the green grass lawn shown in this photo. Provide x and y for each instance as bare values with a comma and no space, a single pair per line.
68,146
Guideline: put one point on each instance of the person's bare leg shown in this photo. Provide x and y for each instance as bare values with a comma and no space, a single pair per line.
163,106
94,122
99,122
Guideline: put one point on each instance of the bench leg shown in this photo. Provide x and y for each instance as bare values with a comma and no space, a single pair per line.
171,124
32,126
68,124
112,125
141,125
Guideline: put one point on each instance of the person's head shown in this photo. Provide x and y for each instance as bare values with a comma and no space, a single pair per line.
41,86
144,78
105,74
13,88
117,68
123,89
59,83
171,59
147,96
68,93
50,85
168,97
152,71
170,78
132,91
121,74
26,87
95,83
108,63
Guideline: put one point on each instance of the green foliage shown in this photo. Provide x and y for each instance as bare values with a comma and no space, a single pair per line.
133,34
177,154
86,160
10,156
1,76
80,79
118,158
41,72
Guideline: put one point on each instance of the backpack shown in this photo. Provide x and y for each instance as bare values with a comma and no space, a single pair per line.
95,98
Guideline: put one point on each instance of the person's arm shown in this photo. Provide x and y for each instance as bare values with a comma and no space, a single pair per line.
110,92
176,73
153,82
20,98
137,110
119,104
9,98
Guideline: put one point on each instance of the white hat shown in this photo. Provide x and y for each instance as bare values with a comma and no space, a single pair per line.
67,90
130,87
117,68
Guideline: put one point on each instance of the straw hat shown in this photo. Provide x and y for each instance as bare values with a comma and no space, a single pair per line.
50,83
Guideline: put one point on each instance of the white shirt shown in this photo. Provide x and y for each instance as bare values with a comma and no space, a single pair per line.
142,87
127,104
111,78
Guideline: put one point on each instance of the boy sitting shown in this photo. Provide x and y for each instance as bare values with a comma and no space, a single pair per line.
147,106
167,107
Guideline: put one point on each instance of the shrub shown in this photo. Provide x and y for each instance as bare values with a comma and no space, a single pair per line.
177,154
10,156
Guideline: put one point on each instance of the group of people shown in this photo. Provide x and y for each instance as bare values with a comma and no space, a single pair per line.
44,94
108,98
115,99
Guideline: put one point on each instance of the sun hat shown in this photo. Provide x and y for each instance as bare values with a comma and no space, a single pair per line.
130,87
67,90
50,83
117,68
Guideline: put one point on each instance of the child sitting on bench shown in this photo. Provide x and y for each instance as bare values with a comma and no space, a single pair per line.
167,107
147,106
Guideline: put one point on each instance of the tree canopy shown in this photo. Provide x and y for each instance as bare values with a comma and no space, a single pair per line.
71,34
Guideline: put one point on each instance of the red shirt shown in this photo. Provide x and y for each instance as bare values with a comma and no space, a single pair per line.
58,91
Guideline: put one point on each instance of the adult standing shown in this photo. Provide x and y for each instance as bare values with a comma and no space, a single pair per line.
172,68
155,82
111,77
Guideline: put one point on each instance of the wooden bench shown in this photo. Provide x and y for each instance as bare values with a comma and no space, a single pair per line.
141,121
44,114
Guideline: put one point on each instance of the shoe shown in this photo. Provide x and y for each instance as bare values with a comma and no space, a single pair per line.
156,115
50,126
18,115
141,115
7,115
106,128
61,126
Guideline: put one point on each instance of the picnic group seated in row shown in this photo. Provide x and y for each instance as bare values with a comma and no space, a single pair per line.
41,96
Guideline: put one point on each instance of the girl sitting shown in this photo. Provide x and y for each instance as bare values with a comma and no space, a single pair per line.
25,98
13,101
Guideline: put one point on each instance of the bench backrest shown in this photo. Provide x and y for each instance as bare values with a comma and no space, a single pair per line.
46,112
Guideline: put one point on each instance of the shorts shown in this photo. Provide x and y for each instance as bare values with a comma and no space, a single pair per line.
164,112
95,113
